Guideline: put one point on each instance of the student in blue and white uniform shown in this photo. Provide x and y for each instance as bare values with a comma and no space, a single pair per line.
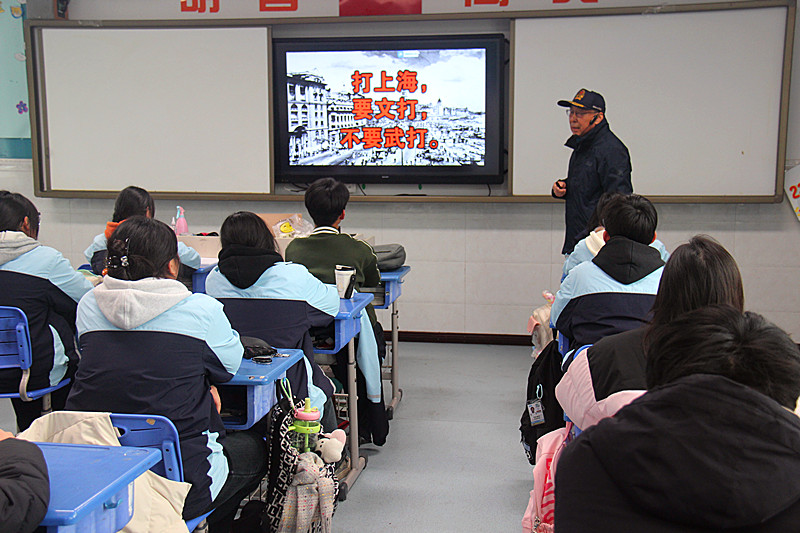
250,271
615,291
132,201
149,346
41,282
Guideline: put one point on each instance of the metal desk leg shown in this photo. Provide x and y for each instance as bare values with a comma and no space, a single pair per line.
357,463
397,392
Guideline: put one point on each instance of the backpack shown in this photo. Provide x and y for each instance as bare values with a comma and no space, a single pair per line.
390,256
542,380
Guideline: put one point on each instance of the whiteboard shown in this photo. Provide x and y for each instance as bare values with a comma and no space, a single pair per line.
167,109
695,96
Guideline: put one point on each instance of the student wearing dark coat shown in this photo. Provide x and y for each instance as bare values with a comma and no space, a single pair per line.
599,163
24,485
714,445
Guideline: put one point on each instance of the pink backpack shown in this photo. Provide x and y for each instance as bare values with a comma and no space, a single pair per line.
540,513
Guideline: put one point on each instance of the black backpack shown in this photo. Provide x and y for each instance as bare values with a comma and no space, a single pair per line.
542,380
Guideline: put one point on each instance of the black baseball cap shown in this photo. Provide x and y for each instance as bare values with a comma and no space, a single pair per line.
587,100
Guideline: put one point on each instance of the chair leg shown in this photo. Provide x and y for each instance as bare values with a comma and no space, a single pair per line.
47,404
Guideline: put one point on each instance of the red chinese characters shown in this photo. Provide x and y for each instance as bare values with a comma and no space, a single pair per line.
200,6
277,5
362,108
360,79
374,137
400,109
500,3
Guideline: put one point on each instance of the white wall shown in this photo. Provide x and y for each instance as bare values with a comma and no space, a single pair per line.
480,268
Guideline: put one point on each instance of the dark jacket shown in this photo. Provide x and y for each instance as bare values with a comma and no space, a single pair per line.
599,163
24,486
618,363
701,454
610,294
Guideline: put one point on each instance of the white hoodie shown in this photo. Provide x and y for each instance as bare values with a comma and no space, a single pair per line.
129,304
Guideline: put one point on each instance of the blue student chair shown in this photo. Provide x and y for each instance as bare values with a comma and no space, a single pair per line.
15,352
155,431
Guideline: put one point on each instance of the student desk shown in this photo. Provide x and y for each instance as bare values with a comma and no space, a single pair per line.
254,385
347,325
91,487
391,283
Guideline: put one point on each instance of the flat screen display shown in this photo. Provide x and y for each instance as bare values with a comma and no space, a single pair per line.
410,110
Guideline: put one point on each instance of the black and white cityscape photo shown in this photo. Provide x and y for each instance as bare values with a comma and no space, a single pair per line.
387,107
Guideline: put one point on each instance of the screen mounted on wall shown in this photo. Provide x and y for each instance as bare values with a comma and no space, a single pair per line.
393,110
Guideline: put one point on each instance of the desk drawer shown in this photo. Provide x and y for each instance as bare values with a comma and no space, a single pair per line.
246,405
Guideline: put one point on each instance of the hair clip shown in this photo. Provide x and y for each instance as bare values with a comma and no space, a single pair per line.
124,261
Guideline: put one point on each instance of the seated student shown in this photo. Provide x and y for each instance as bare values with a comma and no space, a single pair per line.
249,270
41,282
698,274
149,346
320,252
614,291
611,373
24,484
712,446
132,201
591,240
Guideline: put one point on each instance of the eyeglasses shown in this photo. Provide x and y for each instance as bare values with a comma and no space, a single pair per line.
580,113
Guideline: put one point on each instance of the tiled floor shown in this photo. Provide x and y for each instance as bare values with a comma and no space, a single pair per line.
453,461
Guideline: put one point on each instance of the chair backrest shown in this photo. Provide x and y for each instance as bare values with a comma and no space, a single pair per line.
15,339
281,323
152,431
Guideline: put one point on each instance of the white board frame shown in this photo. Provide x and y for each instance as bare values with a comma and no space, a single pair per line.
194,101
656,118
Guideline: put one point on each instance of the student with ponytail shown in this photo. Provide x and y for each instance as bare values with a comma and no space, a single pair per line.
149,346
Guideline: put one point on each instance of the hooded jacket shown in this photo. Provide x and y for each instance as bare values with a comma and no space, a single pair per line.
701,454
278,302
613,292
41,282
599,163
588,247
152,347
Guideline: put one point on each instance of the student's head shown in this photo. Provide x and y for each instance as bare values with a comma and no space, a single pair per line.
133,201
698,273
246,229
631,216
598,215
326,199
17,213
721,340
140,248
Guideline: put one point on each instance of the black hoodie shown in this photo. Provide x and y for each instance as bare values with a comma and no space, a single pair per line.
701,454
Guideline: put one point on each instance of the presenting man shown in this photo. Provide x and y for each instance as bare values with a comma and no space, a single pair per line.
599,163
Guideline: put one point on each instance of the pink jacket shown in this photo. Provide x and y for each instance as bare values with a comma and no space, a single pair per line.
575,393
